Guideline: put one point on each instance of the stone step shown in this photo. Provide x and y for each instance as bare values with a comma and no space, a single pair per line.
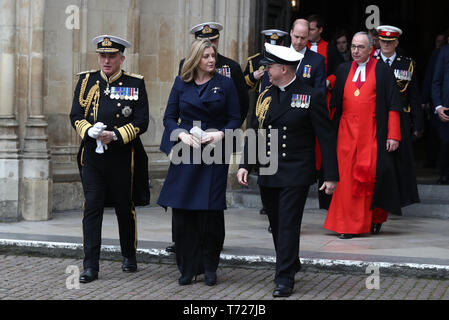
434,200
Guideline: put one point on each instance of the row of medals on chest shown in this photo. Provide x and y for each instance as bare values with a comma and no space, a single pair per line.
122,93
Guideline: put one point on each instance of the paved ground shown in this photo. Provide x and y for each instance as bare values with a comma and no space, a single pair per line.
409,260
41,278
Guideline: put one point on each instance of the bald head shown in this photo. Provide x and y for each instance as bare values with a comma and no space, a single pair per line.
300,34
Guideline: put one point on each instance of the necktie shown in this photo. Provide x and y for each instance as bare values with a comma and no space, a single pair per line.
388,61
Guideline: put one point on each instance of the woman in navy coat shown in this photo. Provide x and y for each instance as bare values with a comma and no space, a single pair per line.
196,191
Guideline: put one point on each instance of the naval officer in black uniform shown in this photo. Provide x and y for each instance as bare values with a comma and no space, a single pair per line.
412,115
294,114
109,113
254,70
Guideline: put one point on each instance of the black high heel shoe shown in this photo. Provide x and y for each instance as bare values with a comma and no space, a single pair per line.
186,280
210,278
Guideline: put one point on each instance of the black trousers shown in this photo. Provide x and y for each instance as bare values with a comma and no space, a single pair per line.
103,178
199,237
285,207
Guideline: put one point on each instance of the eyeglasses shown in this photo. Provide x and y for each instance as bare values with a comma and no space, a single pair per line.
354,47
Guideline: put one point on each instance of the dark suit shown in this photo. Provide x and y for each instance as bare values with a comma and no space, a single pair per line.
433,122
440,97
119,176
284,193
312,70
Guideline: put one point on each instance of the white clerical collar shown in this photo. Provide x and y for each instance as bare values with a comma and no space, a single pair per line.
384,58
361,71
314,46
282,88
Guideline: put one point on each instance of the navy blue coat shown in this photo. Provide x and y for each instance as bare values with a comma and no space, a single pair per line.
317,72
198,186
440,88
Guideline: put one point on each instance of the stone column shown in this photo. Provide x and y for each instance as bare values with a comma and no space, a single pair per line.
9,141
36,190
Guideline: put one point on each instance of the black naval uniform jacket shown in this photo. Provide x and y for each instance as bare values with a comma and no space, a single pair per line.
297,131
253,65
412,117
404,69
231,69
127,118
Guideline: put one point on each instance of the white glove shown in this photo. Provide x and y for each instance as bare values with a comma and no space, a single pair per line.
94,132
100,147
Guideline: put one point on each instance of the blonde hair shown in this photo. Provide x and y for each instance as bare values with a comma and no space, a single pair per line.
193,59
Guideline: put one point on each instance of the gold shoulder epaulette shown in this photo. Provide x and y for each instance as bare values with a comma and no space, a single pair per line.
89,71
252,57
134,75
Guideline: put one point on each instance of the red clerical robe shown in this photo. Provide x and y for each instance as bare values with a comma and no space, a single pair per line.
350,210
331,64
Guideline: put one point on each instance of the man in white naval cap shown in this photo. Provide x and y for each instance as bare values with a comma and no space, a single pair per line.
290,114
109,113
254,73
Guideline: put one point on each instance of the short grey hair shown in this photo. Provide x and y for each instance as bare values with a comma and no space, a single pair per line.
368,35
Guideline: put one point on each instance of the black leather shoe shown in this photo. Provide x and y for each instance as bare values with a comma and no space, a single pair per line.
185,280
443,180
282,291
171,249
270,230
263,211
346,236
375,228
129,264
210,278
88,275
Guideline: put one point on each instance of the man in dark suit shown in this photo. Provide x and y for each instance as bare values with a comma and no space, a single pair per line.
440,97
109,113
292,113
312,68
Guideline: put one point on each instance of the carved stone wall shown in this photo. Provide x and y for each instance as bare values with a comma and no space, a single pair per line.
45,43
